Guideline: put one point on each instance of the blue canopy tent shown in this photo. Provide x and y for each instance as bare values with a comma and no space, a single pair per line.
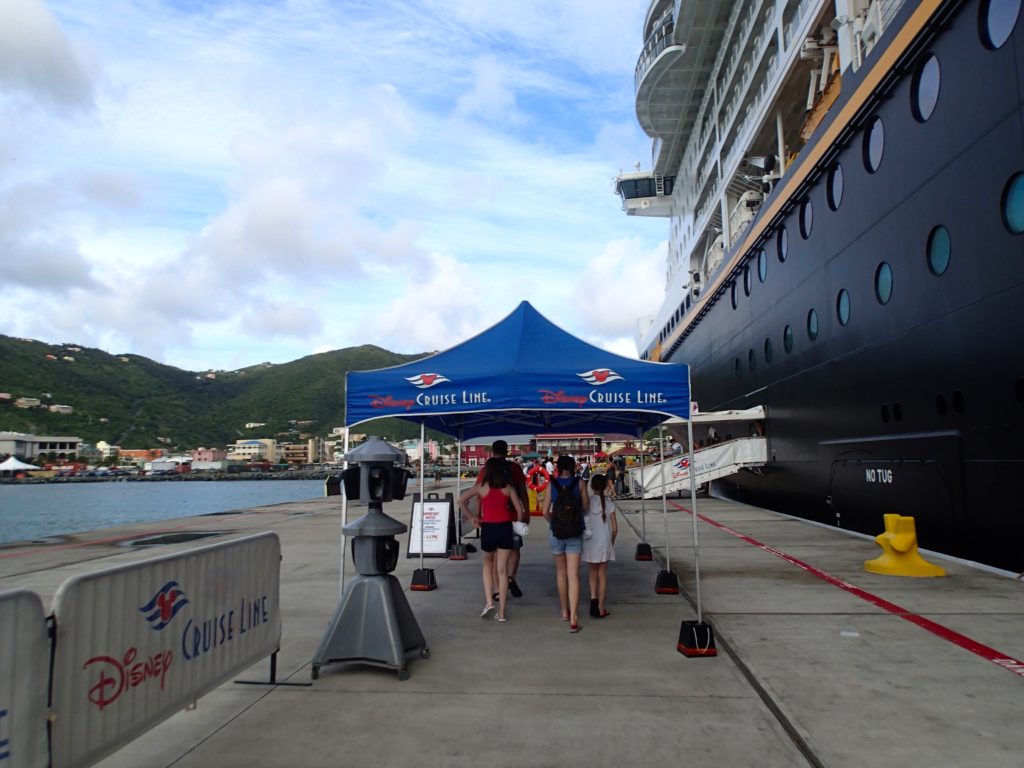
523,374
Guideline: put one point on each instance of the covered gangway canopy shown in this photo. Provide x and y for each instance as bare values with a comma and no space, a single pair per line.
524,374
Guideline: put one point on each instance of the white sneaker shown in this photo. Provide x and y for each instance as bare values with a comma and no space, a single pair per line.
520,528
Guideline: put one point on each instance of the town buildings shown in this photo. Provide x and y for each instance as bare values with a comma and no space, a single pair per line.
29,446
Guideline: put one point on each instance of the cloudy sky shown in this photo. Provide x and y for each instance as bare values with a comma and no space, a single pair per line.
215,183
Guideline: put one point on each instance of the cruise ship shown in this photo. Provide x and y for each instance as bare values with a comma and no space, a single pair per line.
844,186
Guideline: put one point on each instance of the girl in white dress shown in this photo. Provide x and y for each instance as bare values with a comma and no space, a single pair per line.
598,547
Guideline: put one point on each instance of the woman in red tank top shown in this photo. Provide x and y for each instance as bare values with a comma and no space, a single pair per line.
494,519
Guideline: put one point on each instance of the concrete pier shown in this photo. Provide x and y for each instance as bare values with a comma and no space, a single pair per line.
820,663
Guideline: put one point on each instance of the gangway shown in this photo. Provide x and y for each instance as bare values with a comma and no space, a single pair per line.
719,459
712,462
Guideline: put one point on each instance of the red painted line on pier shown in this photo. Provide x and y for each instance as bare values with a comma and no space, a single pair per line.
991,654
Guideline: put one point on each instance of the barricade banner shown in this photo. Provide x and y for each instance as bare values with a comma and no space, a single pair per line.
24,667
139,642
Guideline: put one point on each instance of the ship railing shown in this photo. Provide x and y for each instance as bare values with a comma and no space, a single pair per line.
659,39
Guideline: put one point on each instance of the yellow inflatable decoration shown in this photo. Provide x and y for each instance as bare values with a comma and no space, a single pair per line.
899,551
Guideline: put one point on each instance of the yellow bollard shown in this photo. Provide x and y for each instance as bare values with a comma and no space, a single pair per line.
899,551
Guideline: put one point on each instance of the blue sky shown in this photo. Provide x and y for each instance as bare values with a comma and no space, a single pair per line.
218,183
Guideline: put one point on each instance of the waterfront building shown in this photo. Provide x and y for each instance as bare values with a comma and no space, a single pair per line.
29,446
296,453
262,449
138,456
107,450
209,454
579,446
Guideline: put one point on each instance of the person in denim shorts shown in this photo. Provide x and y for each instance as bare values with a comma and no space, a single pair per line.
566,552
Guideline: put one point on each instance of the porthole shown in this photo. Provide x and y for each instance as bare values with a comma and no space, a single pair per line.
762,265
782,243
835,187
924,91
997,20
883,283
939,250
746,281
940,404
787,339
874,144
812,325
737,368
735,299
843,307
958,401
767,350
1013,204
751,361
806,218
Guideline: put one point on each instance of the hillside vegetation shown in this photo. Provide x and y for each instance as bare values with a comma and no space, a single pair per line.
135,402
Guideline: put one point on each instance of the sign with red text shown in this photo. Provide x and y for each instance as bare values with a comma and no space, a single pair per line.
437,519
24,669
139,642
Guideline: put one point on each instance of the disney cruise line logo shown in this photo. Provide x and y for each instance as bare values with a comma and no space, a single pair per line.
164,605
599,376
426,380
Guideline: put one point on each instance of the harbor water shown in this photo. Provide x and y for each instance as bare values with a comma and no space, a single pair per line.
39,511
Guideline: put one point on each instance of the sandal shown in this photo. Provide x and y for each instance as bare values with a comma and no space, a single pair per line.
574,628
500,618
486,612
602,613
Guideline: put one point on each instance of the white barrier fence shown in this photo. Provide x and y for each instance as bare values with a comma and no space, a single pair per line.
139,642
711,463
24,670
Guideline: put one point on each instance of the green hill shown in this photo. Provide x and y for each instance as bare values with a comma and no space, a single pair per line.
135,402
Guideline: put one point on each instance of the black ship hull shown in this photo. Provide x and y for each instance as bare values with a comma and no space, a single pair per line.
914,406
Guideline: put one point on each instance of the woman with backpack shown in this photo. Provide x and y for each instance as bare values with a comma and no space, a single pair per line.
564,510
598,548
495,523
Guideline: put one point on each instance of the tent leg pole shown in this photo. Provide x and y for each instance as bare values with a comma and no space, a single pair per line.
458,482
664,498
423,495
667,582
344,519
643,494
693,516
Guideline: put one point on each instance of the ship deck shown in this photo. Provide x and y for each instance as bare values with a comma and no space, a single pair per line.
808,671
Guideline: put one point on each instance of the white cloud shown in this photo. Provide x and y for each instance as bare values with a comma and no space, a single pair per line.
619,284
256,181
37,58
490,100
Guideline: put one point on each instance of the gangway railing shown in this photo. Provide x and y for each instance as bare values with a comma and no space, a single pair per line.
711,463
